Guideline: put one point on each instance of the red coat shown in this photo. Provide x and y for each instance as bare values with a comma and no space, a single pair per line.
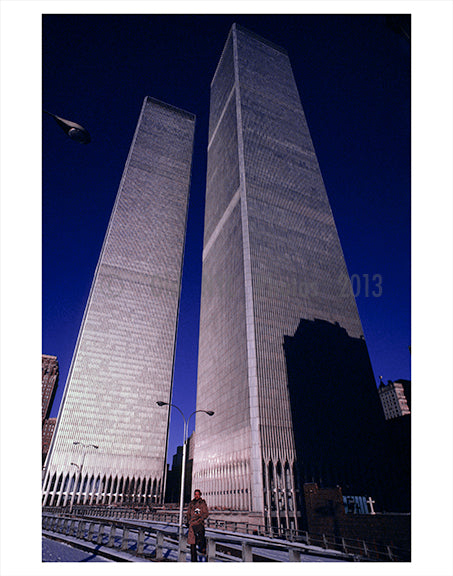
197,513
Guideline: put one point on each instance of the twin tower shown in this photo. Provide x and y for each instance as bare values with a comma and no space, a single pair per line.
280,335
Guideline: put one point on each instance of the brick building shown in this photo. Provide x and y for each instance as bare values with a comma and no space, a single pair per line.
393,398
48,428
50,375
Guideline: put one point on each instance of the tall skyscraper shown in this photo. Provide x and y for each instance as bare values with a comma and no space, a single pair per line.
110,433
272,262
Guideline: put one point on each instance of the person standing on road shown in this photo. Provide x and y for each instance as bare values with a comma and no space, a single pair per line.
196,515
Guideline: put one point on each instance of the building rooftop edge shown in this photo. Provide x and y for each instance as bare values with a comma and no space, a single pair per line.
230,32
170,106
248,32
238,27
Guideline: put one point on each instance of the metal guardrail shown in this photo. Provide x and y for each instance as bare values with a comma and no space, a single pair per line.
371,550
220,545
115,535
159,543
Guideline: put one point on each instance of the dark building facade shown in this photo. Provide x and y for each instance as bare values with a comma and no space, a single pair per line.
337,417
326,515
397,462
173,484
273,274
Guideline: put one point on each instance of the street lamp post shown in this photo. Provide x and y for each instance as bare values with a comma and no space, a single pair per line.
184,448
79,475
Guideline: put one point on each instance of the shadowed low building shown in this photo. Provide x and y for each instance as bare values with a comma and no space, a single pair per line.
337,417
326,514
173,484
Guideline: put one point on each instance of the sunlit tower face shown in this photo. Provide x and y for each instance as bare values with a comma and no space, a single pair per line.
124,355
272,258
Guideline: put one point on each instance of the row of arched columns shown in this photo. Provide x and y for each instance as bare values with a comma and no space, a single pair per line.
225,485
280,494
62,489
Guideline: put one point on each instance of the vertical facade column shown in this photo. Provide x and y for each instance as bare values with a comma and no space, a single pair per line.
256,450
59,493
267,491
286,489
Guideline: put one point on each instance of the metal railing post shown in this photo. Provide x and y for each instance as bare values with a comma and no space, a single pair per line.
159,544
140,541
210,549
100,534
125,539
343,543
90,531
365,549
67,523
247,555
111,542
182,548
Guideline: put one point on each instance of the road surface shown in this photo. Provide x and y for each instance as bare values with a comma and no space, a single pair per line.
53,551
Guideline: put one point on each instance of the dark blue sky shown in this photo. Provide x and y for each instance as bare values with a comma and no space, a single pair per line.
353,75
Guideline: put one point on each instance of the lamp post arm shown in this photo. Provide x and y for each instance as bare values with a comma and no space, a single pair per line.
179,410
188,420
182,414
208,412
